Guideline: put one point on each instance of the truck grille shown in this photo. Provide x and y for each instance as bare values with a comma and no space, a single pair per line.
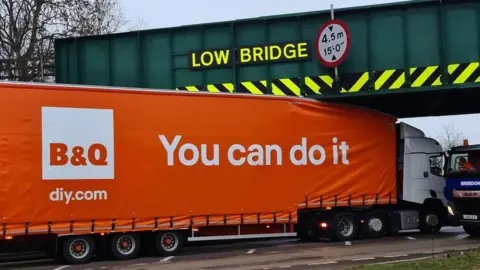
467,206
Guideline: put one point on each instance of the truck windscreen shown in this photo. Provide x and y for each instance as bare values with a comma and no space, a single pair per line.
463,163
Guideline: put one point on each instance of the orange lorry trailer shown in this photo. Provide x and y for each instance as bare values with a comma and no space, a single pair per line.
86,167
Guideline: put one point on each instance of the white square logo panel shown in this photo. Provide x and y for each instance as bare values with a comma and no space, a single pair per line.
77,144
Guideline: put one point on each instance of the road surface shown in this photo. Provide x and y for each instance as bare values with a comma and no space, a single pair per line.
287,254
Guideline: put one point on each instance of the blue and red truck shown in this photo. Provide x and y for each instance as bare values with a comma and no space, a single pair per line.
462,190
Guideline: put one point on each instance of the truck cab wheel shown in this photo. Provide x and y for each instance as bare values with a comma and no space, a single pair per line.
345,227
430,223
169,243
125,246
78,249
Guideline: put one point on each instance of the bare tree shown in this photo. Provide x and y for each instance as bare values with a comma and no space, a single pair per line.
28,29
450,138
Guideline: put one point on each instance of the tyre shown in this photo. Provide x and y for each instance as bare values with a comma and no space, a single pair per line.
125,246
77,249
376,225
473,231
345,227
169,243
430,223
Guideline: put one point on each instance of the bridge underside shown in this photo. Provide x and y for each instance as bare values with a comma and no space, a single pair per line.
407,103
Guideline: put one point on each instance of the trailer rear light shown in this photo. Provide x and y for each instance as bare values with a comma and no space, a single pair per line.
268,226
323,225
9,237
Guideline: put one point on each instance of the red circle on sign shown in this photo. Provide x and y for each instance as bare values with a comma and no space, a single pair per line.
347,49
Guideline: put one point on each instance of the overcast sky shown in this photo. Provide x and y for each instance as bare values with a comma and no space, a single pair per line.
161,13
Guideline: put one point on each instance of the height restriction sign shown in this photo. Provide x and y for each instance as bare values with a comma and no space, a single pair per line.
333,43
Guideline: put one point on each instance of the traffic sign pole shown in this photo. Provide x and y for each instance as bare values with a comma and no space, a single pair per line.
333,44
332,17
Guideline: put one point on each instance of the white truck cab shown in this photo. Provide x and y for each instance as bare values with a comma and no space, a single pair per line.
423,160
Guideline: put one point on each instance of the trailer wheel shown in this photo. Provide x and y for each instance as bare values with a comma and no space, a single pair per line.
125,246
345,227
78,249
169,243
376,225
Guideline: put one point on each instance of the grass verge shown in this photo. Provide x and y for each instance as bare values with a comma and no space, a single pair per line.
469,261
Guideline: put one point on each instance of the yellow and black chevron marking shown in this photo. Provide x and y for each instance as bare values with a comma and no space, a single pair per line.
193,88
354,82
425,76
286,87
389,79
316,85
213,88
464,73
255,87
220,88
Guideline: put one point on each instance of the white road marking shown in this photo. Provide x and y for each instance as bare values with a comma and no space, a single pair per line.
395,256
364,259
166,259
251,251
410,238
348,243
285,266
62,267
406,260
322,263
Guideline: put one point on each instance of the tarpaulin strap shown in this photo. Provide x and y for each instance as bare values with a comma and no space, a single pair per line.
156,223
290,217
224,219
321,201
26,228
363,198
171,222
49,227
390,198
113,225
133,223
274,217
241,219
258,218
208,220
335,200
93,225
191,221
4,226
350,200
306,201
376,198
71,226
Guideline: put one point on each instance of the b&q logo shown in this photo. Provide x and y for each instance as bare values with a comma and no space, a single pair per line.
59,155
77,144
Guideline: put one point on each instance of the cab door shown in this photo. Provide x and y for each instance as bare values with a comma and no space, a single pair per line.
436,176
